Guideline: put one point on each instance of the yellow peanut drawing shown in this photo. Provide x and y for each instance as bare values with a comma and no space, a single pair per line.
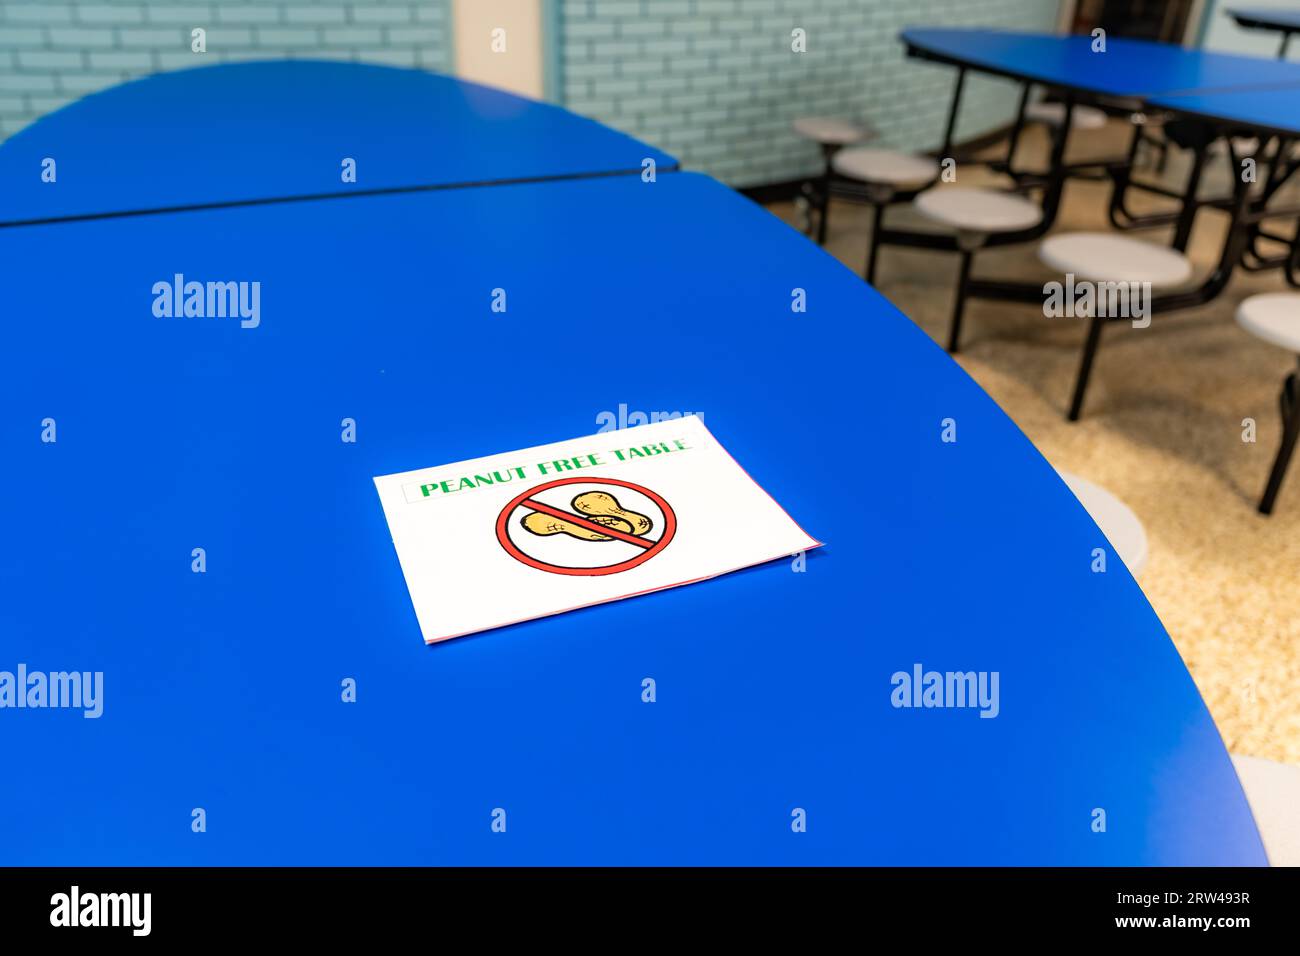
538,523
598,507
600,504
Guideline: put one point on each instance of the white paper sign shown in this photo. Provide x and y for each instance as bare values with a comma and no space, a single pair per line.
508,538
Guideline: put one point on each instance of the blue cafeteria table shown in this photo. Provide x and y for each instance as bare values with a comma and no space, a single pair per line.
1134,74
1273,111
1267,113
1128,68
1130,71
1285,22
222,689
268,131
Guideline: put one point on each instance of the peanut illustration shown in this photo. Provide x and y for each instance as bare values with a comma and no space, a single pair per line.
538,523
600,508
599,504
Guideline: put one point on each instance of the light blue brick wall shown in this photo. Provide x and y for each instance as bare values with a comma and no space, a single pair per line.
715,81
55,51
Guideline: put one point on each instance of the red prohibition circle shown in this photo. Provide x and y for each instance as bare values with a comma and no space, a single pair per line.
670,528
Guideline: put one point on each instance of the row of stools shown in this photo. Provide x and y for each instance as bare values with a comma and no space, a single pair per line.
888,176
884,177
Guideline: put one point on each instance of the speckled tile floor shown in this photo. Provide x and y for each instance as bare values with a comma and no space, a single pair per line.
1162,428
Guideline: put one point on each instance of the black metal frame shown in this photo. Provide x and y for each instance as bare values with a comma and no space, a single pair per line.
878,196
1052,184
1247,216
1244,216
1194,133
821,190
818,191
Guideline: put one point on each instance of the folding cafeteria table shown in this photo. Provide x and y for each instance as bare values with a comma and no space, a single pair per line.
1272,113
222,689
1145,75
1268,111
1126,68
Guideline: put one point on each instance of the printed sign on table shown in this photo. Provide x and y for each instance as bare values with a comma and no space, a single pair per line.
511,537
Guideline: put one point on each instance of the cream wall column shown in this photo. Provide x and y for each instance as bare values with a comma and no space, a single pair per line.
500,43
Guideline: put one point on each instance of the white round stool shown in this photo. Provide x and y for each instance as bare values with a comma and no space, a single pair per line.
885,167
1275,318
830,130
831,133
1106,257
1053,114
975,214
1115,519
886,173
1103,257
1273,792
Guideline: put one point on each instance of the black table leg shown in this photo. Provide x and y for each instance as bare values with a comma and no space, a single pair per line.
1085,366
959,304
1187,217
951,128
824,213
1290,402
873,248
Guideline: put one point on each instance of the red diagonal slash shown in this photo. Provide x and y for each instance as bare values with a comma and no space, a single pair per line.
585,523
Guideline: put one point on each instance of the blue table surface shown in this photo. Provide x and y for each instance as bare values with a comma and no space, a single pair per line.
1267,17
1128,67
1275,110
251,131
222,689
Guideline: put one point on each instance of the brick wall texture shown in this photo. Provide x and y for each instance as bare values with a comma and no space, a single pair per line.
55,51
713,81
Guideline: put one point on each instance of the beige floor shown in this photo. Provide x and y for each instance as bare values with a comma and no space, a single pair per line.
1162,428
